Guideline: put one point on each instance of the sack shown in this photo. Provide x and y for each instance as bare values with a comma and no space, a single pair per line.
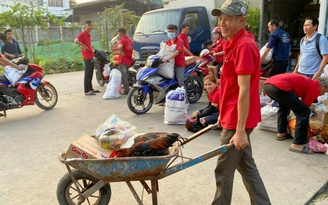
114,132
268,56
166,69
269,118
12,74
106,71
193,125
176,107
113,85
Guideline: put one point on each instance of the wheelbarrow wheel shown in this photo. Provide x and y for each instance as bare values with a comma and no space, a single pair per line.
67,193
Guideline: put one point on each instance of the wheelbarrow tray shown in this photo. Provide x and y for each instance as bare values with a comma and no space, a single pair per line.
123,169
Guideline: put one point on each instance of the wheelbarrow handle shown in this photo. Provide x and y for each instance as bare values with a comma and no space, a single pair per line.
199,133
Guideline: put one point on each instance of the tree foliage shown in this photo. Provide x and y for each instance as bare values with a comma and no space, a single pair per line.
113,18
25,18
253,19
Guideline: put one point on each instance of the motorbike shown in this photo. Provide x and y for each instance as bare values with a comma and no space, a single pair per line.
151,88
265,69
206,56
30,89
101,59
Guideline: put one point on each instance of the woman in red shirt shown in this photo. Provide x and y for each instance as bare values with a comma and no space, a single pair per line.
217,51
208,115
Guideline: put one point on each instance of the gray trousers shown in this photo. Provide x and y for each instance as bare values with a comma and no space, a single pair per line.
179,74
243,161
125,79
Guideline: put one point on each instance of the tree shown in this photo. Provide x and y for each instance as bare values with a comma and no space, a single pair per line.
253,19
27,18
113,18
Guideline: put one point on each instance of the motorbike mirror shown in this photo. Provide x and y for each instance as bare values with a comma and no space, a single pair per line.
189,39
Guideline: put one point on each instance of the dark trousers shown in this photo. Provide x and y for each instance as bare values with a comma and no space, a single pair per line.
278,68
289,101
88,74
243,161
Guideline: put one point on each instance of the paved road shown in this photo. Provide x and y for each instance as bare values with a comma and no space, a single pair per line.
30,140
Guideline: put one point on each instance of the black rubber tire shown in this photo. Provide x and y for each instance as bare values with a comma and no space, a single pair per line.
100,79
66,184
195,87
46,96
137,99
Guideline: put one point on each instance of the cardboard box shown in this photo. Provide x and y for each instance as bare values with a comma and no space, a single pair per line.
190,60
87,147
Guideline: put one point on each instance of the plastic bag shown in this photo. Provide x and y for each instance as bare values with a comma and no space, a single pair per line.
114,132
12,74
166,69
176,107
316,146
268,56
269,118
112,89
106,71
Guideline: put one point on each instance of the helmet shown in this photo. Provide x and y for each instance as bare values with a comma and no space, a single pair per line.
217,30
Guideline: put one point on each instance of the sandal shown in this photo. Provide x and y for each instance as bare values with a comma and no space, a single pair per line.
305,150
96,91
284,137
90,93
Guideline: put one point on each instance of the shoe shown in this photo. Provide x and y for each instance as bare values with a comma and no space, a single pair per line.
96,91
90,93
305,150
287,136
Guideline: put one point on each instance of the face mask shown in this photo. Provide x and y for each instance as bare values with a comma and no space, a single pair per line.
1,44
171,35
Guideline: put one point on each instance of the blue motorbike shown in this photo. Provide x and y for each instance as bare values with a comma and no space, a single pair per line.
151,88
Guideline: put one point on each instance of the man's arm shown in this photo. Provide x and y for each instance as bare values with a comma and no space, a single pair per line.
78,42
187,51
298,63
240,138
322,66
266,51
6,62
175,54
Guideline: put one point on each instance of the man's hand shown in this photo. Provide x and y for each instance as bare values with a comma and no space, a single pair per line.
85,47
240,140
316,76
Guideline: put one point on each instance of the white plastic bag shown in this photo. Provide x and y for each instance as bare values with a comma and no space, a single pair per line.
268,56
114,132
111,91
166,69
176,107
269,118
12,74
106,71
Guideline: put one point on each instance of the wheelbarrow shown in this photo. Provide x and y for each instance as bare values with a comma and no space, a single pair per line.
89,181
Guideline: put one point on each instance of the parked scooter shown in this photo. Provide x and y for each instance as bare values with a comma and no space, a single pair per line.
101,59
206,56
266,69
29,89
151,88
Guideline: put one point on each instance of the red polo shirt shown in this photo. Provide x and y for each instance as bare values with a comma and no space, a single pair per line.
218,48
127,48
242,57
214,96
184,38
179,59
302,86
85,38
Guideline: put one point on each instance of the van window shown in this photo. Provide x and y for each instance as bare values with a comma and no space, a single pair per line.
157,22
192,18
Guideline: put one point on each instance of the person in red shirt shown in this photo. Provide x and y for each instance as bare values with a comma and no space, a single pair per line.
185,29
248,31
239,106
84,40
208,115
178,55
125,46
217,52
286,89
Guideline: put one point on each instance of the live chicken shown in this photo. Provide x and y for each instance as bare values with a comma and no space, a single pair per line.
149,144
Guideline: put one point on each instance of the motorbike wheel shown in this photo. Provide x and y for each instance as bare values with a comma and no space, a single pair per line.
67,193
100,79
139,103
46,96
194,85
